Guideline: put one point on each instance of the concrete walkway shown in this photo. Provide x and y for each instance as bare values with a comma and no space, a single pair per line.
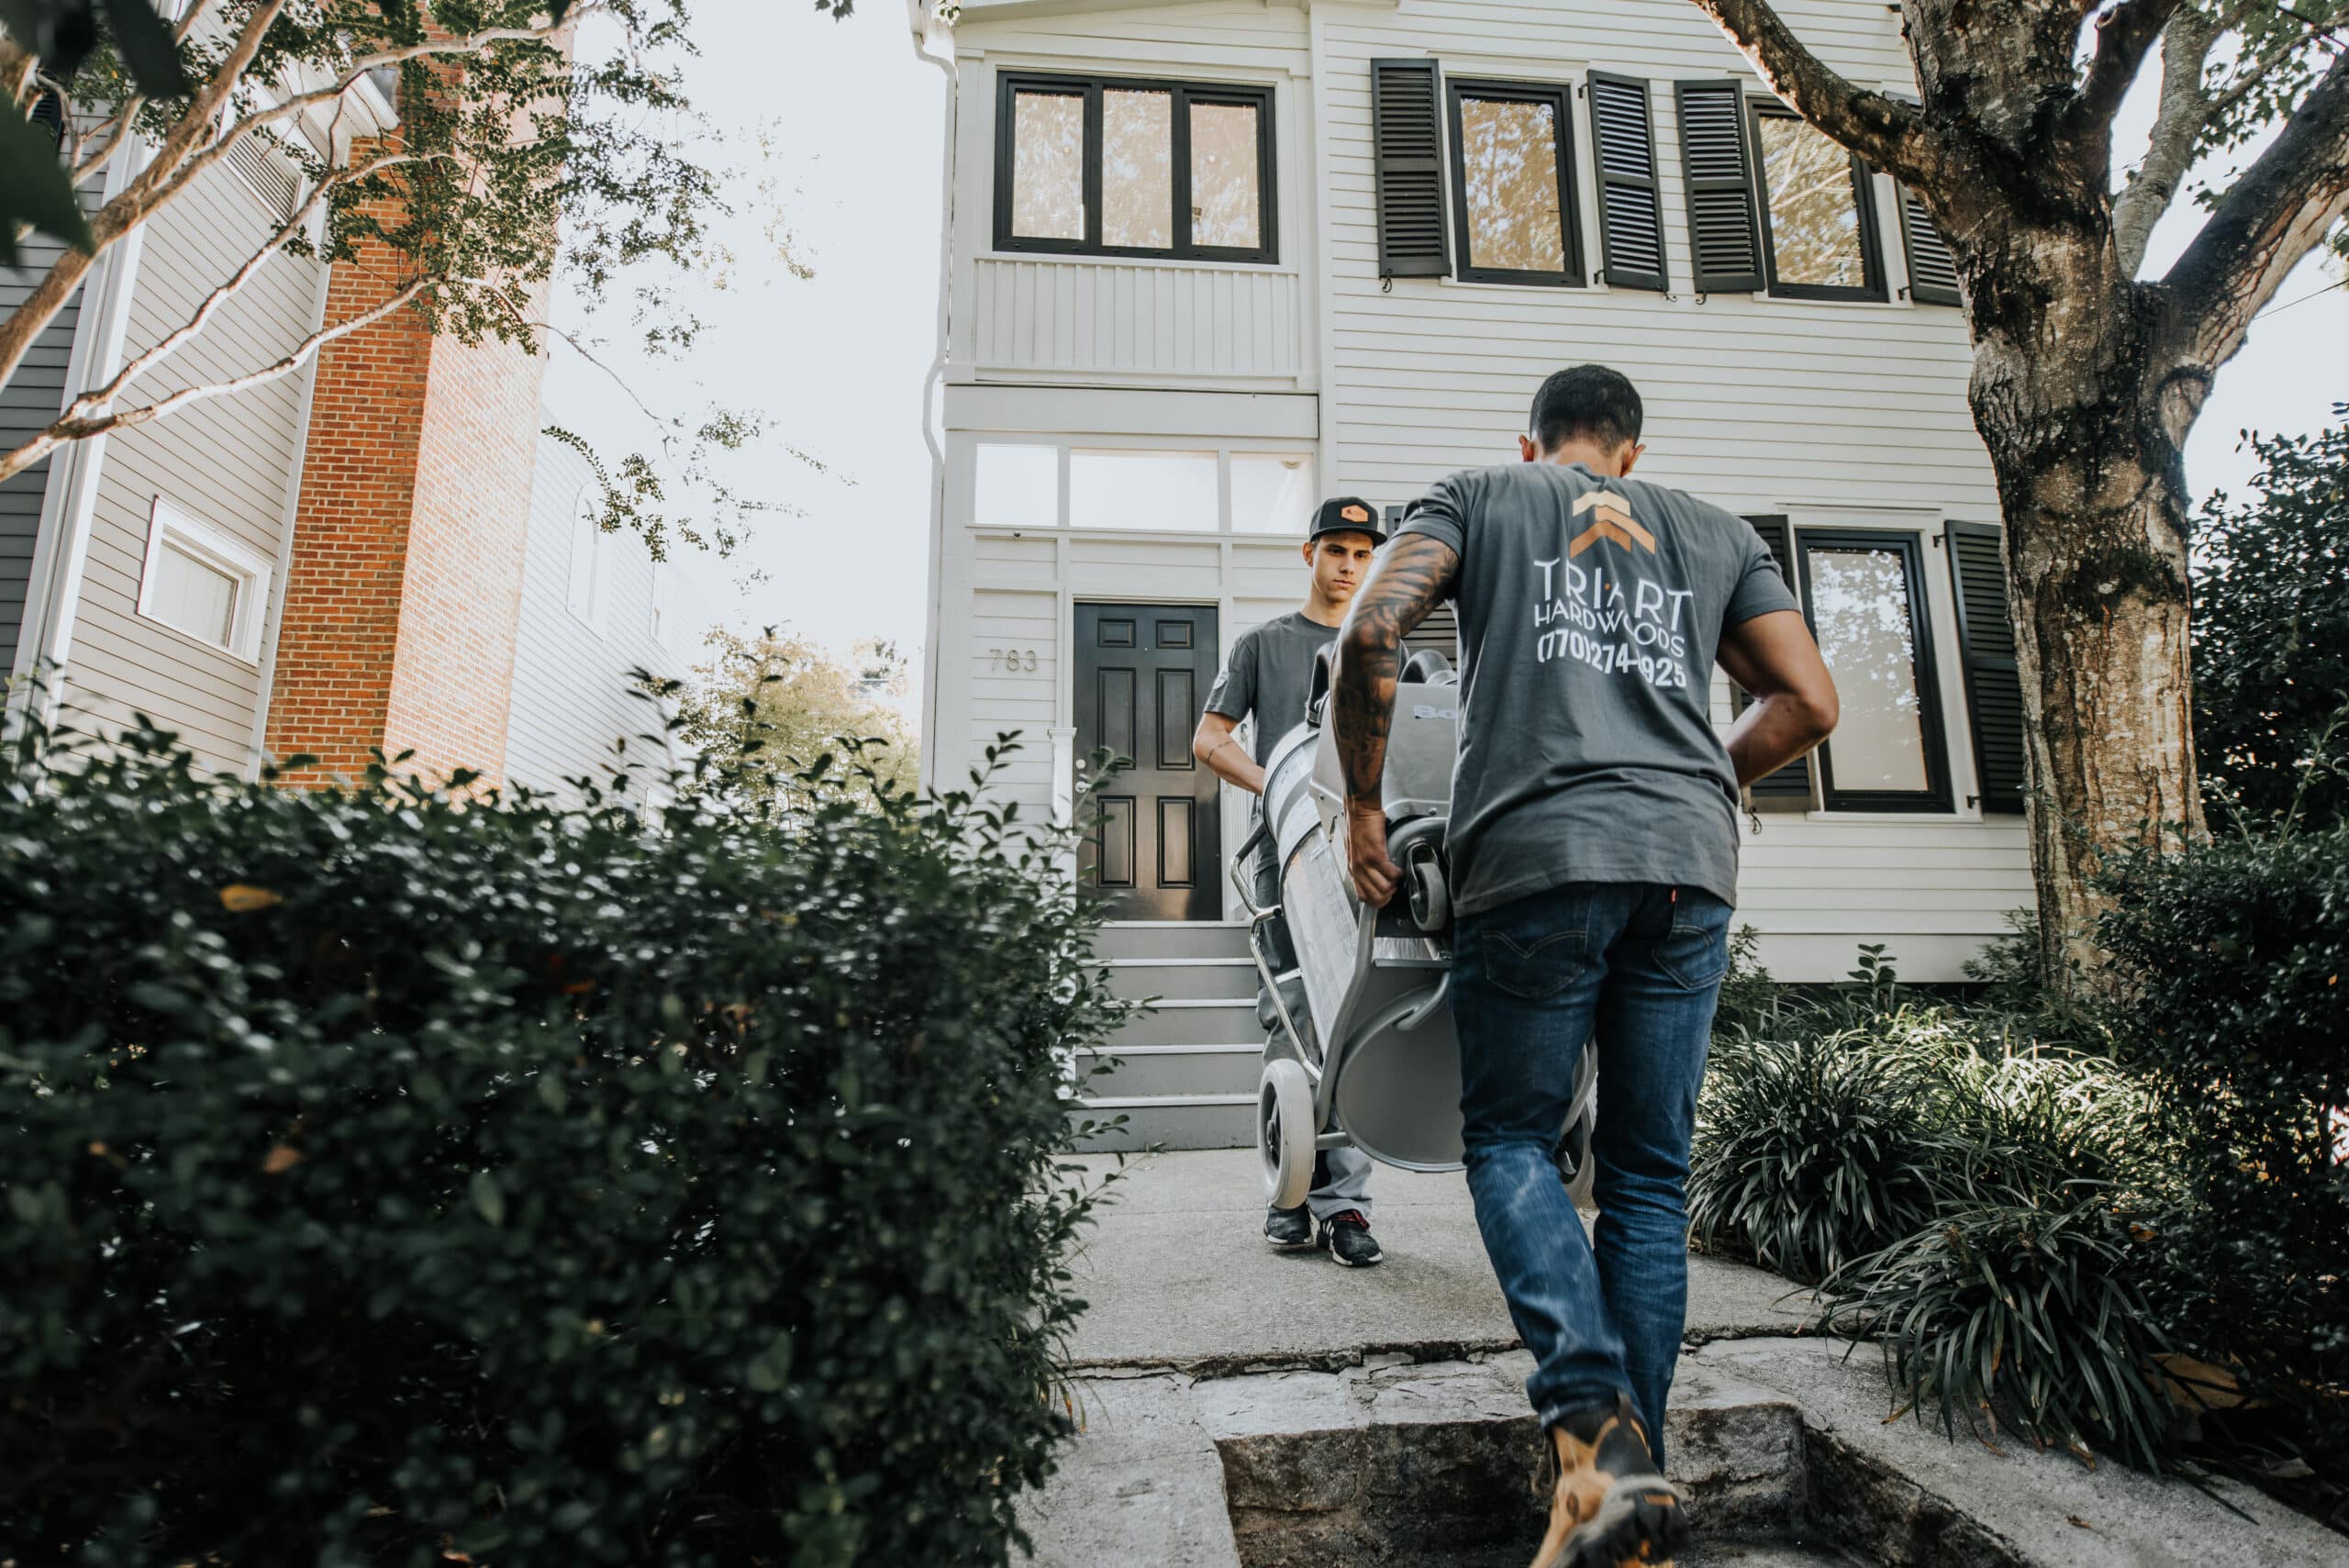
1247,1408
1177,1274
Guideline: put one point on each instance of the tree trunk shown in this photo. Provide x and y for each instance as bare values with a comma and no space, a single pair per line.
2084,423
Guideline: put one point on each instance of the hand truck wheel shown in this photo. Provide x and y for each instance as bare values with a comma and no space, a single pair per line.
1285,1132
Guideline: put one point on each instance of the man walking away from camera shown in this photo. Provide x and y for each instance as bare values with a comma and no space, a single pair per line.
1593,848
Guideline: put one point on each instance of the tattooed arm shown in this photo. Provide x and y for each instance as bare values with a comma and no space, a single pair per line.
1406,581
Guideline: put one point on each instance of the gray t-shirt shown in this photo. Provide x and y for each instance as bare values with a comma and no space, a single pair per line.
1269,672
1589,611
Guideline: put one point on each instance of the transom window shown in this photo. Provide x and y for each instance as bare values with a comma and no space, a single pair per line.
1020,485
1863,593
1513,183
1097,166
1818,224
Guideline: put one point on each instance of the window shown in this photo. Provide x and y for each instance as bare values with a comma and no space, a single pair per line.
1119,168
585,593
1018,485
1513,186
1271,493
1141,490
1864,593
202,583
1818,220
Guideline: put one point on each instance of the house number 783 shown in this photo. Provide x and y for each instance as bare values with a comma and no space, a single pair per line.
1018,660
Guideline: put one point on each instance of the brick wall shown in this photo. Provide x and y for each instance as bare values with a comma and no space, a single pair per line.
404,589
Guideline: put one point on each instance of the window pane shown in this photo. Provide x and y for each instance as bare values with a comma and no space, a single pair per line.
1814,206
1509,154
1860,599
1048,165
1138,170
1225,201
1017,487
1141,490
194,595
1271,493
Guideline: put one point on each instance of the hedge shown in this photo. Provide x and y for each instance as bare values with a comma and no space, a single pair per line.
395,1175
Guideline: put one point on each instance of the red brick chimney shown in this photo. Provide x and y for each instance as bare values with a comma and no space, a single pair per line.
403,590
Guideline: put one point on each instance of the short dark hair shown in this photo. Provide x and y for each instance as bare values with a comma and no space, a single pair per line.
1591,401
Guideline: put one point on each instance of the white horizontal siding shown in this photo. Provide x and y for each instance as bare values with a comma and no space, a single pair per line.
229,462
575,709
1137,319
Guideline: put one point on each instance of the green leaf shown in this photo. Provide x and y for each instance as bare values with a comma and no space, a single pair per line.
35,189
145,39
488,1198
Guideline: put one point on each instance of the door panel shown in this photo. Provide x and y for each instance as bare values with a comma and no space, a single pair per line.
1154,850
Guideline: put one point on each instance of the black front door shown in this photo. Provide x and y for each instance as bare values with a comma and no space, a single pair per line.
1155,849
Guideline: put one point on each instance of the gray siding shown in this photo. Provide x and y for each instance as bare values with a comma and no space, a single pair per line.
573,694
231,461
31,398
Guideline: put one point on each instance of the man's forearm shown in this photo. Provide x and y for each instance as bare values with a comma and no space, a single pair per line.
1768,735
1229,761
1406,583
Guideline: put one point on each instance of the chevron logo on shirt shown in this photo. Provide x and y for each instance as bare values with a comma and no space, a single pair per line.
1610,519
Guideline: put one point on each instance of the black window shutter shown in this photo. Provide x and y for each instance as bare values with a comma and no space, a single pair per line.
1407,152
1986,637
1932,272
1630,214
1791,786
1718,173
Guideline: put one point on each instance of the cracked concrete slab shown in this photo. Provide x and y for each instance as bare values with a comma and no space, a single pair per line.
1177,1274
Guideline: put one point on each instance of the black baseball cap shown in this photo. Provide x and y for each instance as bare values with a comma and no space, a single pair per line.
1346,515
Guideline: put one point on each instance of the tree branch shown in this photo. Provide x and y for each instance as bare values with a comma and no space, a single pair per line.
65,429
2122,35
1883,130
2280,211
2178,128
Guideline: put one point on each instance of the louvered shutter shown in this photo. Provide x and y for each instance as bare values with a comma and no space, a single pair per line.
1407,147
1932,272
1630,214
1986,638
1791,786
1715,168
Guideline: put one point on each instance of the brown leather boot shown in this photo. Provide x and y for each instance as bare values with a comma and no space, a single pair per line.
1608,1509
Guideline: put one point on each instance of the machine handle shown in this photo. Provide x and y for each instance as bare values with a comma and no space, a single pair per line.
1239,882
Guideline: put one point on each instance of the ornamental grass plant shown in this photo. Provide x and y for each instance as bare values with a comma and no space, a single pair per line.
401,1176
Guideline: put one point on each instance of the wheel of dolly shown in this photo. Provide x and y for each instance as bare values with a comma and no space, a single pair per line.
1285,1132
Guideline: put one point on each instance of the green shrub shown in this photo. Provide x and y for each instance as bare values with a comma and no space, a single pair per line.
1813,1147
389,1174
2232,968
2018,1306
1749,997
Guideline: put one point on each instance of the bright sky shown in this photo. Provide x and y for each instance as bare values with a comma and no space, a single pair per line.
855,154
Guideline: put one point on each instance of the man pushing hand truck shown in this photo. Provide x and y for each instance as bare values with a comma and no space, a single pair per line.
1592,852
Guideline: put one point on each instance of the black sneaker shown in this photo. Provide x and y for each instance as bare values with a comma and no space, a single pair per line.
1346,1237
1288,1227
1608,1506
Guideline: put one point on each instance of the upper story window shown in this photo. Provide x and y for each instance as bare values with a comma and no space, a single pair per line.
1110,167
1818,222
1513,183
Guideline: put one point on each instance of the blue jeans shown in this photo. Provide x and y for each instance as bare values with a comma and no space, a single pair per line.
1639,966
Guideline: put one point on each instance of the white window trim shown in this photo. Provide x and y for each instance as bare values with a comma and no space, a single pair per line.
585,598
216,549
1224,449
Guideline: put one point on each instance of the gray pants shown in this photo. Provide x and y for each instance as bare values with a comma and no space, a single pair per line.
1341,1176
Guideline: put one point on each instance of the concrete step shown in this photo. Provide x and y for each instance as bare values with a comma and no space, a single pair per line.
1171,938
1171,1121
1155,1071
1191,1021
1182,979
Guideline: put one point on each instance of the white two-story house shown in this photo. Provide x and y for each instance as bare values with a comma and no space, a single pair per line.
1209,262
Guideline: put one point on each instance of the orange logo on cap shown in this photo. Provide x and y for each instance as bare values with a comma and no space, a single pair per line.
1354,514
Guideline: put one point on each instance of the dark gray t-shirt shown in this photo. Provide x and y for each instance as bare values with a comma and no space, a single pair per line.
1589,611
1268,673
